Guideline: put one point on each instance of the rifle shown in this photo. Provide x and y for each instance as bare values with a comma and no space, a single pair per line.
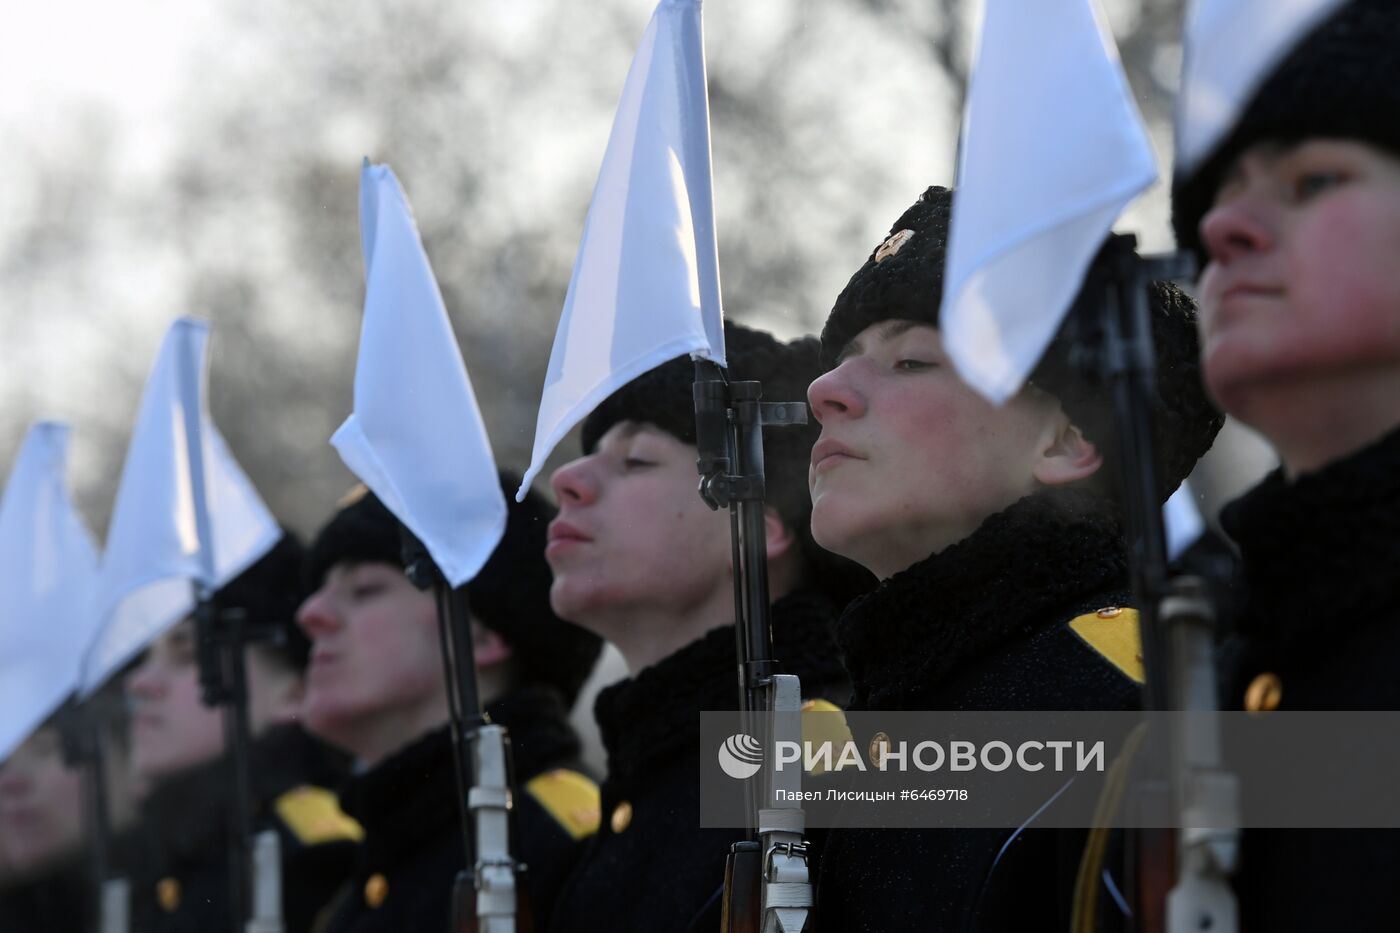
767,886
491,895
81,728
1182,877
255,884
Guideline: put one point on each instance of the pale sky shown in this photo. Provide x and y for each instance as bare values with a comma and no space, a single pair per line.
123,57
62,61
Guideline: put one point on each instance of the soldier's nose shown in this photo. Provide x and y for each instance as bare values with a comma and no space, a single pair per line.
317,616
574,483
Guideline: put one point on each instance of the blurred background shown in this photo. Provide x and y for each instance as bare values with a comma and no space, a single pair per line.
202,157
162,158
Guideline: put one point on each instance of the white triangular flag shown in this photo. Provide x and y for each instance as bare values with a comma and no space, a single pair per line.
1053,149
184,512
1230,48
645,286
416,437
48,572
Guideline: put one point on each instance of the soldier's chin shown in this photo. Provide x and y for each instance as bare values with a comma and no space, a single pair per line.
156,765
575,598
37,849
328,721
834,528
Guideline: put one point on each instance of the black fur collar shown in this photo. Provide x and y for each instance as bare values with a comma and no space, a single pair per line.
654,716
1323,548
410,797
406,801
1020,572
540,735
187,813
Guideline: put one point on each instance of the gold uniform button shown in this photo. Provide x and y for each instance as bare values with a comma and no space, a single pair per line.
1110,612
168,894
621,817
376,889
879,744
1264,694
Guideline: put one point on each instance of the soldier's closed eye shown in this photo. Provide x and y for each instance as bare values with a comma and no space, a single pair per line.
1308,184
366,590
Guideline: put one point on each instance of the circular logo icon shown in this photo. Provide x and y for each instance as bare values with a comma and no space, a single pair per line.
740,756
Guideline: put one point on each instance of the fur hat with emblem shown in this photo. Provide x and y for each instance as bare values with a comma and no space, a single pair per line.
903,280
663,397
1342,81
510,595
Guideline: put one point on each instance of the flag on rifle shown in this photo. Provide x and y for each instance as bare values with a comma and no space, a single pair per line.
48,572
416,437
185,511
645,285
1030,218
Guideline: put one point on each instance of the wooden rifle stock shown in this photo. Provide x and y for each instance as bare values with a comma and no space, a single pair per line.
743,889
1153,866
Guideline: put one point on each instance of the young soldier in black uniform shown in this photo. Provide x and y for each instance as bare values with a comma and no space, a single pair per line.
376,689
641,560
1296,219
46,883
177,744
1004,575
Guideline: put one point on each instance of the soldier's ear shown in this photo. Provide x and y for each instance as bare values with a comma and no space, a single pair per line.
488,647
779,538
1066,456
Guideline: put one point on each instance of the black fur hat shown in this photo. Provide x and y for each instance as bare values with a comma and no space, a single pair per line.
510,595
269,592
663,397
903,279
1342,81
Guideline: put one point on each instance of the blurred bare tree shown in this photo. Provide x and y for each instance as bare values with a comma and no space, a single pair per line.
829,116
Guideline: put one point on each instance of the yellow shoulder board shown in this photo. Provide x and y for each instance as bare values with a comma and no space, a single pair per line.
1114,633
571,798
314,816
824,721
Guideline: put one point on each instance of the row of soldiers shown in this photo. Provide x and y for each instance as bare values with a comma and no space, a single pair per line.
926,551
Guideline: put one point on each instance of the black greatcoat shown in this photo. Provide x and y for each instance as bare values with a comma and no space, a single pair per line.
651,867
55,900
983,625
186,884
1321,561
407,804
61,897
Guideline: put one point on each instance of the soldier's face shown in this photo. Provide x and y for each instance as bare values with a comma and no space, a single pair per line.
375,681
40,803
632,533
171,728
1303,283
910,459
